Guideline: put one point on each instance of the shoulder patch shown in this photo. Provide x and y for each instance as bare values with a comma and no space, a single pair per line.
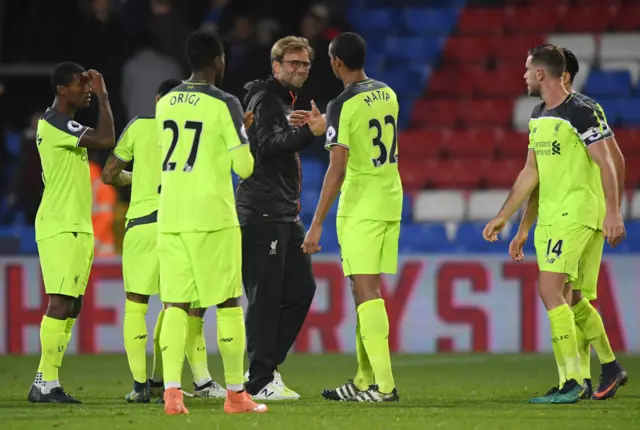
74,126
331,133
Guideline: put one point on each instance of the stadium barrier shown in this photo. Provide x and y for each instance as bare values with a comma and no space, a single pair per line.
436,303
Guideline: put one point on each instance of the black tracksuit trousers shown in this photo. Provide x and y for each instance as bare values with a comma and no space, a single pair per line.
279,284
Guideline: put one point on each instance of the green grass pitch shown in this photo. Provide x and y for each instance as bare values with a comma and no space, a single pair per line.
460,392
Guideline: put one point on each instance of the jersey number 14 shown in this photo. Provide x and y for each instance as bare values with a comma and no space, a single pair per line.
196,126
385,155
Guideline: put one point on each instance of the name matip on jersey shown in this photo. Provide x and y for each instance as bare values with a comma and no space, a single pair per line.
197,126
364,119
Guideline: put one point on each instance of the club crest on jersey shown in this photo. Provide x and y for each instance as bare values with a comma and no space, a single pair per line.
74,126
331,133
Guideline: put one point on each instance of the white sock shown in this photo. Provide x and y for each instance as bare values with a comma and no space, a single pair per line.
235,387
200,382
47,386
168,385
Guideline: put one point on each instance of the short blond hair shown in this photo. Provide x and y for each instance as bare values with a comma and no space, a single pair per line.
290,44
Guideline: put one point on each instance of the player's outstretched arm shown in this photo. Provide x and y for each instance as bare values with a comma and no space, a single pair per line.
104,136
114,173
333,180
618,163
524,185
272,139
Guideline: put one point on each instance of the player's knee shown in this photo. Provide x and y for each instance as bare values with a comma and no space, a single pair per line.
137,298
551,289
576,296
197,312
365,288
184,306
76,307
59,307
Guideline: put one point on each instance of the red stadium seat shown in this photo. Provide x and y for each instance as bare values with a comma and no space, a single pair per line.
512,144
632,172
628,140
486,113
500,173
514,47
414,173
474,21
505,81
454,174
587,19
466,49
422,143
434,113
627,19
470,143
546,3
522,20
449,82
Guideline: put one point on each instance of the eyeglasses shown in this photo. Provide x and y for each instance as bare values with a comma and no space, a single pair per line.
295,64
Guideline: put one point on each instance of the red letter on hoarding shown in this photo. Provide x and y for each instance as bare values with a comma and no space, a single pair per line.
18,315
607,305
475,317
326,322
396,302
527,274
92,316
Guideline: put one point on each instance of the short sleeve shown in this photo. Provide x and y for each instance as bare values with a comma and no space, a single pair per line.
587,123
71,131
337,126
607,131
235,134
124,146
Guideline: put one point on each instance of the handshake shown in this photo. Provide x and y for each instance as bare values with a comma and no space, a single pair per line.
314,119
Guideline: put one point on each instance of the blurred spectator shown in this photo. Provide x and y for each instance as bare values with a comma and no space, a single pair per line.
26,187
102,210
169,30
141,76
245,57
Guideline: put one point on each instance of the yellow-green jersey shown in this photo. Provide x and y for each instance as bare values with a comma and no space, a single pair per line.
67,198
569,187
139,142
607,132
198,125
364,120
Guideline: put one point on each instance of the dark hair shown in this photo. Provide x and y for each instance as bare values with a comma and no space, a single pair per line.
202,48
551,56
63,74
167,86
572,67
351,49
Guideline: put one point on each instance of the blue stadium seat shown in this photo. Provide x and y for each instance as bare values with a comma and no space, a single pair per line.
407,209
313,171
469,239
373,19
329,239
404,116
611,110
13,144
418,50
407,81
430,238
629,111
28,240
608,83
430,21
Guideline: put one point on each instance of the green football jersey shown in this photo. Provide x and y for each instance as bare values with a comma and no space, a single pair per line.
139,142
198,124
364,120
67,198
607,132
569,186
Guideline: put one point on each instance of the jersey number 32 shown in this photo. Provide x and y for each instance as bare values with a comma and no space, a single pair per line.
196,126
385,155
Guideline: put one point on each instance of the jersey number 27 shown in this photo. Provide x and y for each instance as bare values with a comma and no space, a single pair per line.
385,155
196,126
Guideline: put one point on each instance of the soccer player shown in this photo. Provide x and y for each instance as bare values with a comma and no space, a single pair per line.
64,232
202,135
362,137
140,260
566,141
584,290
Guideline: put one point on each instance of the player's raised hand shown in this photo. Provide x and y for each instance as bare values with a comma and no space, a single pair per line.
516,245
247,120
312,240
316,121
493,227
96,82
613,228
